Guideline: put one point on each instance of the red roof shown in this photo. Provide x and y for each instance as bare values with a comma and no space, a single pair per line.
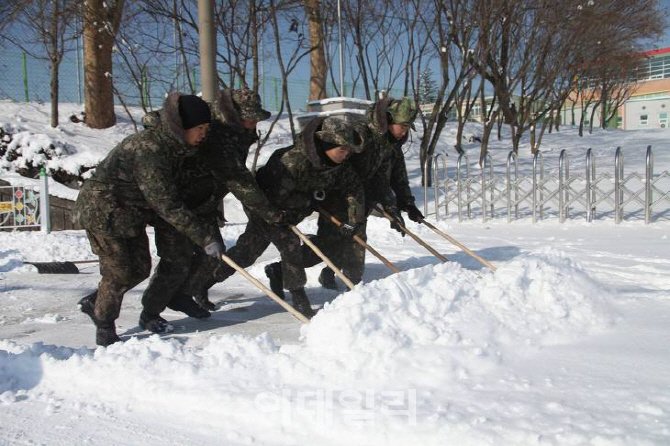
656,52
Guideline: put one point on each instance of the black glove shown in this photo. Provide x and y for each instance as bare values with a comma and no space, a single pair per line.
349,230
413,213
397,220
279,218
215,249
284,217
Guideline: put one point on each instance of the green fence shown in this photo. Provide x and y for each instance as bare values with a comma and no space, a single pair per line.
27,79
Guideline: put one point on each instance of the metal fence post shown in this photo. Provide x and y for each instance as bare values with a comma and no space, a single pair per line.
487,161
512,158
426,166
25,77
563,185
590,194
436,184
537,158
648,191
618,186
459,180
45,217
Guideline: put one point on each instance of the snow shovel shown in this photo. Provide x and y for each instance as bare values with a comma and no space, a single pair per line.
322,256
411,234
360,241
67,267
295,313
481,260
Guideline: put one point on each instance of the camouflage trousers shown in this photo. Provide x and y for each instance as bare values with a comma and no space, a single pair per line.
124,263
176,252
345,253
251,244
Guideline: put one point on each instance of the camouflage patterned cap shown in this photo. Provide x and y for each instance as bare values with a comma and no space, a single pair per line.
402,111
248,103
337,131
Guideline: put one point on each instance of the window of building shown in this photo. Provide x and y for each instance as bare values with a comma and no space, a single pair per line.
644,119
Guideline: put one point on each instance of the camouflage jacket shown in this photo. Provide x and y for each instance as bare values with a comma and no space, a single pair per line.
398,177
295,178
136,182
220,167
382,163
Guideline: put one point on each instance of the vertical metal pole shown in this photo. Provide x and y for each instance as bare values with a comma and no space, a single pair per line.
426,166
618,187
446,185
207,47
541,183
436,187
483,190
459,187
648,192
491,186
78,61
488,161
508,185
25,77
562,186
436,183
534,186
45,217
468,189
339,29
589,196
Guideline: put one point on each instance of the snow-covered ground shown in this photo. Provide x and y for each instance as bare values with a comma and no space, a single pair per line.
565,343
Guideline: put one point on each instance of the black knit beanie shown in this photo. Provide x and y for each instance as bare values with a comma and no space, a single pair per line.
321,148
193,111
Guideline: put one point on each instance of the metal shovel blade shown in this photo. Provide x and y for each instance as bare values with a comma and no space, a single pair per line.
55,267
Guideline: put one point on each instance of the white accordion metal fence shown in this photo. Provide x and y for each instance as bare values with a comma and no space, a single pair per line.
518,190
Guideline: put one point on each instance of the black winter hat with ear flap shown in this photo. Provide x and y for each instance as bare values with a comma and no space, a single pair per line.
193,111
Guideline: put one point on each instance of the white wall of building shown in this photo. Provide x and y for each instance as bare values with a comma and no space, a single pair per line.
647,113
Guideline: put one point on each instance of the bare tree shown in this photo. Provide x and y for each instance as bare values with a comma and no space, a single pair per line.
318,66
452,43
48,24
615,84
101,23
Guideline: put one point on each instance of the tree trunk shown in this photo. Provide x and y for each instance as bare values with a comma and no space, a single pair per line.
98,43
54,64
318,67
255,82
593,115
54,92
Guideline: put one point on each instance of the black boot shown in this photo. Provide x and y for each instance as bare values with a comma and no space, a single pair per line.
105,332
327,279
106,335
202,299
154,323
301,303
87,305
274,274
186,305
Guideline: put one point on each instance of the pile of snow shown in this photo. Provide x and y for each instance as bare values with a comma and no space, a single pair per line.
423,330
446,320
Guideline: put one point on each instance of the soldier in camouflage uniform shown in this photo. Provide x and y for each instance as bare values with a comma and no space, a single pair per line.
134,187
293,178
382,167
217,168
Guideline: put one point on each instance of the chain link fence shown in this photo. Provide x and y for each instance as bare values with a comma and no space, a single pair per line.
27,79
